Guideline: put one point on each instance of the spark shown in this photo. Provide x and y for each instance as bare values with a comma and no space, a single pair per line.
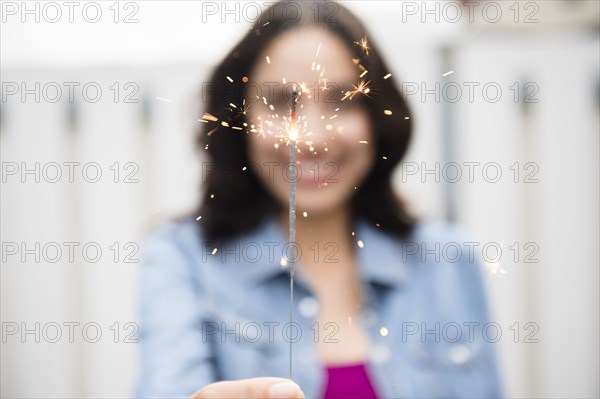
384,158
323,73
363,43
387,112
164,99
383,331
407,117
360,244
496,267
363,87
268,59
199,217
209,117
318,50
214,251
448,73
305,214
244,168
212,196
229,79
363,142
362,75
349,321
283,262
386,77
304,88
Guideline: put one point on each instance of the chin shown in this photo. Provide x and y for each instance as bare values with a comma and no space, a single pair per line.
320,201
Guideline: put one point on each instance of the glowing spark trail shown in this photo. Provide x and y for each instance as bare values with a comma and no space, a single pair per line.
363,44
363,87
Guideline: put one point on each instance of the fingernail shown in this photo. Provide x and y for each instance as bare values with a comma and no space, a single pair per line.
285,390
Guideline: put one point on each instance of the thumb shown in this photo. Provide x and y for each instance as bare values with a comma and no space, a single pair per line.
258,388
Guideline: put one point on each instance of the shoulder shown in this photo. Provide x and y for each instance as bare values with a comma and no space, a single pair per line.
448,257
172,245
443,242
441,231
185,232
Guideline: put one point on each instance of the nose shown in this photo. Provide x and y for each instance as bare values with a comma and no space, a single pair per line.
319,127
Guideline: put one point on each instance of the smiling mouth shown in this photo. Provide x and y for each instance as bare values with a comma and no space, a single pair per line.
318,173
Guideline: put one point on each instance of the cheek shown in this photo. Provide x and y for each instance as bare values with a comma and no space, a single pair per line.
257,149
358,137
266,160
360,150
263,148
353,125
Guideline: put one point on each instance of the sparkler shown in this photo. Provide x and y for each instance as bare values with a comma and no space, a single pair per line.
292,131
292,238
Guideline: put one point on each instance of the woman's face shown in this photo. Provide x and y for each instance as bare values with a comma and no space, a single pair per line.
335,150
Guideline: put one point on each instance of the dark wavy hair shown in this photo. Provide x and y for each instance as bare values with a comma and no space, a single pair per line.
240,205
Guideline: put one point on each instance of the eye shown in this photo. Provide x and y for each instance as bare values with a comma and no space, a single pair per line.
357,102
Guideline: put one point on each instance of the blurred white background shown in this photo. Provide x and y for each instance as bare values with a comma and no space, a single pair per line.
543,55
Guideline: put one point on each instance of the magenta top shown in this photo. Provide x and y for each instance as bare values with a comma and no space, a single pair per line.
348,382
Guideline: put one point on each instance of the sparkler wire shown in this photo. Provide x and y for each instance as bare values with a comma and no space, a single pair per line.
292,233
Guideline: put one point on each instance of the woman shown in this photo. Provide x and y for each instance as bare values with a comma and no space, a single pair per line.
379,311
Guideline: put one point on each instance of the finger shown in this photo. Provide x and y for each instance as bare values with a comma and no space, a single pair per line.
252,388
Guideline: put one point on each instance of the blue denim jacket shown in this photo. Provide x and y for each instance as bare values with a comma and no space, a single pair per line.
208,316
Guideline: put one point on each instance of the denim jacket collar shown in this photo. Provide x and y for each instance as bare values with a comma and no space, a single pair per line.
391,267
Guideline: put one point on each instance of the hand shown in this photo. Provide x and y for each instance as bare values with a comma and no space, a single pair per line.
251,388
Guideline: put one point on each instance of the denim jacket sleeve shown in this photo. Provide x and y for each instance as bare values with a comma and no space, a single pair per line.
459,352
174,362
